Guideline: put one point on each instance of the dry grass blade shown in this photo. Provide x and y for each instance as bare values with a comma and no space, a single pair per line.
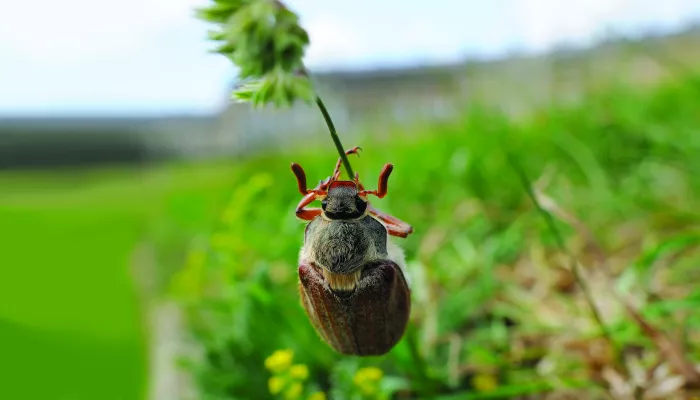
549,205
658,384
670,350
574,265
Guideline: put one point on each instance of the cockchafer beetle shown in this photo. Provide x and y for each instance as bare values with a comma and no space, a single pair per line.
352,281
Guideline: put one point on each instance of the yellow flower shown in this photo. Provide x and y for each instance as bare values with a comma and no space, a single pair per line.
318,396
294,391
299,371
279,361
275,384
373,374
485,382
367,379
367,375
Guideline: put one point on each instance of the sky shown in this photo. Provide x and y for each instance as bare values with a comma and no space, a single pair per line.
150,57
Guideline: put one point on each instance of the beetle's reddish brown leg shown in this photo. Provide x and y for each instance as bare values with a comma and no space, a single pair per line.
390,219
336,171
393,230
394,226
308,213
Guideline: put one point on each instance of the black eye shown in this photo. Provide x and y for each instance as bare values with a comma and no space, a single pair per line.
360,204
324,203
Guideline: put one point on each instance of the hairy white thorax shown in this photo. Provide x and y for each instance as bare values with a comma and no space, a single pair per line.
395,252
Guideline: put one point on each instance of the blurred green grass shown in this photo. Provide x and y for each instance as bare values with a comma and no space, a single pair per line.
69,304
624,162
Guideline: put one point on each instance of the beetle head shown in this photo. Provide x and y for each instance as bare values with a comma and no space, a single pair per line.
343,201
340,200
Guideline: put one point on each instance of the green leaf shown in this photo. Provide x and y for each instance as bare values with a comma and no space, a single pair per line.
218,12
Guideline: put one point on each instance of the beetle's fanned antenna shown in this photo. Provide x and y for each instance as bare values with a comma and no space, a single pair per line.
301,178
383,184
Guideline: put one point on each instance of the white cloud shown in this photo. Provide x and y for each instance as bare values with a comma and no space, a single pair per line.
367,32
110,55
343,40
152,53
332,42
543,23
547,22
72,31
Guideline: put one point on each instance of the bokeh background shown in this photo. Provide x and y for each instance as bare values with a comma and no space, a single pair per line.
148,241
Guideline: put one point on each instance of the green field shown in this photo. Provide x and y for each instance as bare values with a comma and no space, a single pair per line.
492,298
72,325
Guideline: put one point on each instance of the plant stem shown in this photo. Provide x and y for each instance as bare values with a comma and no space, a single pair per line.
334,136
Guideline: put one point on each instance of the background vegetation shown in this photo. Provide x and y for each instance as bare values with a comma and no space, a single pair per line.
497,312
496,308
